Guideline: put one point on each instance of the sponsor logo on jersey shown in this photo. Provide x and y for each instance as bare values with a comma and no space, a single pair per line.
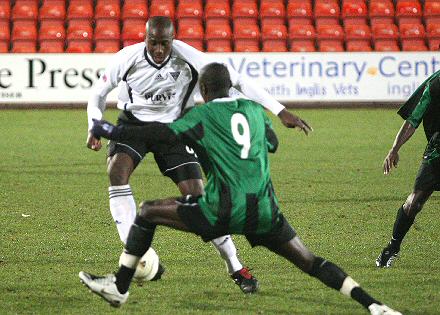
163,97
159,77
175,75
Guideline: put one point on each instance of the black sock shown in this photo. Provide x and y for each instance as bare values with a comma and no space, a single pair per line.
358,294
123,278
140,237
333,276
401,227
138,242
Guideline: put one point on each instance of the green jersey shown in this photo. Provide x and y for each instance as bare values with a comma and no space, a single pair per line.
232,138
424,106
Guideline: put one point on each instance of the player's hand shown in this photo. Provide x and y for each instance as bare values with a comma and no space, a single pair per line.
93,143
105,129
391,160
292,121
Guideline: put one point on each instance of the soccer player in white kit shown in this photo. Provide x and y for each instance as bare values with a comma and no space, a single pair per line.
159,82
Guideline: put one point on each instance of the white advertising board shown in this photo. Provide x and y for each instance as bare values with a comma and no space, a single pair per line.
289,77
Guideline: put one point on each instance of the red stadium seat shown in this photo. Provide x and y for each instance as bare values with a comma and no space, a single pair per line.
24,46
302,45
218,45
244,9
129,42
358,45
52,29
5,31
385,31
359,32
326,12
79,29
106,9
162,8
274,45
135,10
434,44
354,12
4,47
299,12
433,31
413,45
107,29
190,28
51,46
330,32
5,10
55,10
79,46
386,45
218,29
80,10
133,31
24,30
246,45
217,9
107,46
330,46
25,9
196,43
381,12
246,30
408,11
274,31
272,8
302,32
412,31
190,8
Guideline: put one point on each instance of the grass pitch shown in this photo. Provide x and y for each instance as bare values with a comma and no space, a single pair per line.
54,222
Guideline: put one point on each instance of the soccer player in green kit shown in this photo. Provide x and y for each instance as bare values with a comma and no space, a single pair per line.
422,106
232,138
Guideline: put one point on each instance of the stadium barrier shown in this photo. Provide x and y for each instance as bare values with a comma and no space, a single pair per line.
292,78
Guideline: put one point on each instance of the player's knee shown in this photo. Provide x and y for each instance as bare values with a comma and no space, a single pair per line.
412,206
146,210
117,176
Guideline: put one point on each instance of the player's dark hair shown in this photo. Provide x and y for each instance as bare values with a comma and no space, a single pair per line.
159,22
215,77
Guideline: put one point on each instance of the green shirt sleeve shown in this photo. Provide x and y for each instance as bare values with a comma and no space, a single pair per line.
271,137
190,125
419,111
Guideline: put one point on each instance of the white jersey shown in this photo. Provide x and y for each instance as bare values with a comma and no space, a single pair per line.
153,92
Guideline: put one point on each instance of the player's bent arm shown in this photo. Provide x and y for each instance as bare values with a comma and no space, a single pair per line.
404,134
272,139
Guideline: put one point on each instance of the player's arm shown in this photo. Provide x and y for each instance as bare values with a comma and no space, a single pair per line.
199,59
431,91
271,137
152,133
97,100
260,95
392,158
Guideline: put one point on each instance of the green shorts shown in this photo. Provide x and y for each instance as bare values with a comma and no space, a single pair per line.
192,215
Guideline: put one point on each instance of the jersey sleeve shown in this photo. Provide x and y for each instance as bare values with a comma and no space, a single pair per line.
199,59
112,75
430,92
190,125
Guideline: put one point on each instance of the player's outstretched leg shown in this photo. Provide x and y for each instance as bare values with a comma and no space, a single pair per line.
329,274
241,275
404,220
105,287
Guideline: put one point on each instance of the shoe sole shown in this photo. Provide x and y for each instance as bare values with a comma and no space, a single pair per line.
112,303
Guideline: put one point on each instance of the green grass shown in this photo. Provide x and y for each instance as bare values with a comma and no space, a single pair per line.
330,186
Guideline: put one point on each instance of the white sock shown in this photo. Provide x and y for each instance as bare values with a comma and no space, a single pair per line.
123,209
227,250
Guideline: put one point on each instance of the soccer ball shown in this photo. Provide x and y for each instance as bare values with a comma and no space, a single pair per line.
147,267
